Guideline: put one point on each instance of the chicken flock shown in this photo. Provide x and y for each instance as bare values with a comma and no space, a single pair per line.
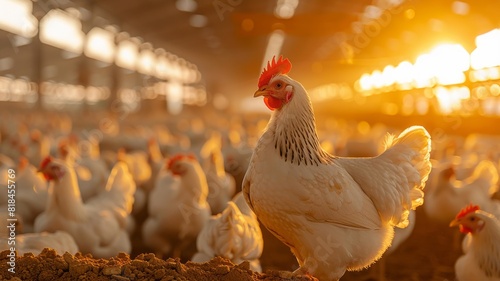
339,194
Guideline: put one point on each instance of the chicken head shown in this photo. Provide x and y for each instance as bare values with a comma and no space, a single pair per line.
51,170
175,163
276,92
468,221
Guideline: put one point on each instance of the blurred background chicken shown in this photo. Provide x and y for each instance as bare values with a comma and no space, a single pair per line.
31,193
118,196
34,243
89,158
139,168
221,185
177,207
446,195
233,234
95,228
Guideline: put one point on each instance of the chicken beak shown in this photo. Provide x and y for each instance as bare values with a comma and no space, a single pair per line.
454,222
261,92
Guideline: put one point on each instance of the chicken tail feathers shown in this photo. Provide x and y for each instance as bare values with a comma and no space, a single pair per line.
415,144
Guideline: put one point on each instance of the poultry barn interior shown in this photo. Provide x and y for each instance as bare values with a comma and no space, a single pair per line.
129,126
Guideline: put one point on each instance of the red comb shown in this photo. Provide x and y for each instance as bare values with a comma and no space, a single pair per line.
282,66
178,157
468,209
45,162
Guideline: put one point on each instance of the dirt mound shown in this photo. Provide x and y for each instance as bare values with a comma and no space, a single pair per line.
49,266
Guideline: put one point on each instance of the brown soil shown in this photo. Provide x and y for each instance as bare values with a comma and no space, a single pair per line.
49,266
429,254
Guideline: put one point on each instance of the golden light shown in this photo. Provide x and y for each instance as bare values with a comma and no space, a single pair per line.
100,45
186,5
192,74
479,59
162,69
404,75
62,30
491,106
16,17
331,91
450,99
127,54
486,54
449,62
365,82
422,105
363,128
495,90
390,108
450,78
174,97
388,75
478,75
274,44
285,9
409,14
176,69
423,71
146,61
460,8
488,39
493,73
377,79
451,56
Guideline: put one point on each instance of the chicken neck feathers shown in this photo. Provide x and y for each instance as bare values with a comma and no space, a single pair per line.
67,198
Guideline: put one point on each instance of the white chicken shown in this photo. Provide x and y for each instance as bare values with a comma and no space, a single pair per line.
447,196
378,270
481,260
140,169
178,208
335,214
95,228
137,162
233,234
221,185
31,193
118,195
34,243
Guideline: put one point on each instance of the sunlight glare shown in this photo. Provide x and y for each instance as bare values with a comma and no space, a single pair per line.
127,54
449,61
62,30
486,54
100,45
16,17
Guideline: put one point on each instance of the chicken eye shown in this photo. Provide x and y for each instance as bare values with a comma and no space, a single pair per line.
278,85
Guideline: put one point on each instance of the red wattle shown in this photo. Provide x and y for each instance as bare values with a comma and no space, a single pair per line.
465,229
272,103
